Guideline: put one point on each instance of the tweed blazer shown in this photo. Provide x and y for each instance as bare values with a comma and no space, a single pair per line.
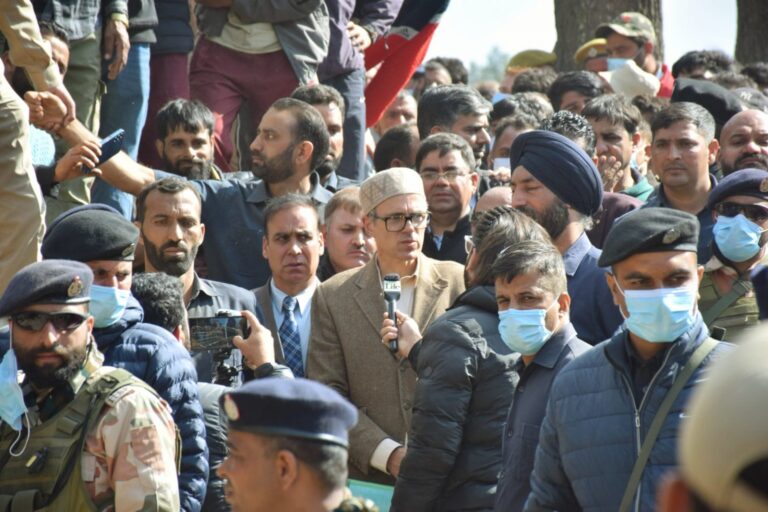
264,296
346,353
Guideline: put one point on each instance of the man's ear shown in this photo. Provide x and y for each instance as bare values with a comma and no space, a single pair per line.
613,286
714,149
287,469
436,129
303,152
564,301
264,245
636,139
160,147
138,225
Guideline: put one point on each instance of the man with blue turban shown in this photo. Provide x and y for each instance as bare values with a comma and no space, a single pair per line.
556,183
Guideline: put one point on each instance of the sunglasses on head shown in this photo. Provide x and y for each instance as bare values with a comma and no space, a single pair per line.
753,212
36,320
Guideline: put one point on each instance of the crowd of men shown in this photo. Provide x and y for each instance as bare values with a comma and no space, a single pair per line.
542,293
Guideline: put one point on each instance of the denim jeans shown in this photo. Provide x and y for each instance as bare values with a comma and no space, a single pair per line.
352,86
125,106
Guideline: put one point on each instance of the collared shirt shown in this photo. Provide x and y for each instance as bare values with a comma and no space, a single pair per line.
302,313
233,214
593,313
706,222
640,190
407,288
526,413
208,297
450,245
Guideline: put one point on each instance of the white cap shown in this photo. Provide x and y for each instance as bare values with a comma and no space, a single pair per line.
632,81
726,428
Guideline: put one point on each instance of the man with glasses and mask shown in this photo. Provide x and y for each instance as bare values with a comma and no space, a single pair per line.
105,241
447,168
77,434
345,351
740,208
611,426
631,36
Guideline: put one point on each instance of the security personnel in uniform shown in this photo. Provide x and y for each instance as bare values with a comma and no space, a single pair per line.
288,441
76,435
639,379
726,296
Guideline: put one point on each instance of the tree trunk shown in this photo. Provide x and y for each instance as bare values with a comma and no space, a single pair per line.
576,21
750,39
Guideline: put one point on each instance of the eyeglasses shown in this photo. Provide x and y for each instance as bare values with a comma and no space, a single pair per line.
396,222
469,244
449,176
753,212
35,320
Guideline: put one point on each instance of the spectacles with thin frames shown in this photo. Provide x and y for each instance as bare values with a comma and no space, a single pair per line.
397,221
449,176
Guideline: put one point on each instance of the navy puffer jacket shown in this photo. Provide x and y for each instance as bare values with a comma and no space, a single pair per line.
156,357
591,434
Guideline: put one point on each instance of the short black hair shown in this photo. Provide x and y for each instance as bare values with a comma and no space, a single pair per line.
616,109
171,185
309,126
396,143
649,106
518,121
585,83
689,112
443,105
328,461
713,61
533,104
496,229
534,80
443,143
319,94
191,116
455,68
286,201
161,297
757,71
574,127
733,80
530,256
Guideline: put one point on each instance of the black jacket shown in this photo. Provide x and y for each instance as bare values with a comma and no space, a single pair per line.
174,34
462,396
452,248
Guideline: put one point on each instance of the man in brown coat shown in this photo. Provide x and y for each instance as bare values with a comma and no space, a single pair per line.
345,350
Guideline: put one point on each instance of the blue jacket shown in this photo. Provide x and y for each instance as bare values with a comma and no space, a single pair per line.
174,34
592,431
153,355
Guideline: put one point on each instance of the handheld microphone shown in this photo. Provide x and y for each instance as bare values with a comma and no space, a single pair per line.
391,287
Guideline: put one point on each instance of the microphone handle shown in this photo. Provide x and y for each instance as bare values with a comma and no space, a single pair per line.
391,306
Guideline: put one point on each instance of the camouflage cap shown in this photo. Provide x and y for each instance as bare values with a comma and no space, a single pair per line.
628,24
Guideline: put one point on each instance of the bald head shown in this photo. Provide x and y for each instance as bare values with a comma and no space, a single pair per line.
496,196
744,142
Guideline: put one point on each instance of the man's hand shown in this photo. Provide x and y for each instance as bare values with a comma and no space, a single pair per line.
47,110
406,331
116,47
259,347
62,93
215,3
359,37
394,461
610,170
70,166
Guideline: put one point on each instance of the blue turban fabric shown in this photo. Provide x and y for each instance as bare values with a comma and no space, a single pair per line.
561,166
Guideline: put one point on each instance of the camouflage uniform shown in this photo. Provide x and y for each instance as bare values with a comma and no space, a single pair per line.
740,314
129,457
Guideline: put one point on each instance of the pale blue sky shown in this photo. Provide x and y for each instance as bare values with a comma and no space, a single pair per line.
471,27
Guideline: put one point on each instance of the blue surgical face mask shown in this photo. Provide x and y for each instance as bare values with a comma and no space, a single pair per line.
12,406
523,330
615,63
738,238
107,305
661,315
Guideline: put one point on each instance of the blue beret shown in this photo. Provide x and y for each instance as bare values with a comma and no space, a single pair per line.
292,408
47,282
561,166
90,232
650,230
745,182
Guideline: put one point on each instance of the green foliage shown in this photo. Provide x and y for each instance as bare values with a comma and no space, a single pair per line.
493,68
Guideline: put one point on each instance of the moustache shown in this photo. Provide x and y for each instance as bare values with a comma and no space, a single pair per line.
175,245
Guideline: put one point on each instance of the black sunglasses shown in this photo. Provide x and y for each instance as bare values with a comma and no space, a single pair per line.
754,212
35,320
